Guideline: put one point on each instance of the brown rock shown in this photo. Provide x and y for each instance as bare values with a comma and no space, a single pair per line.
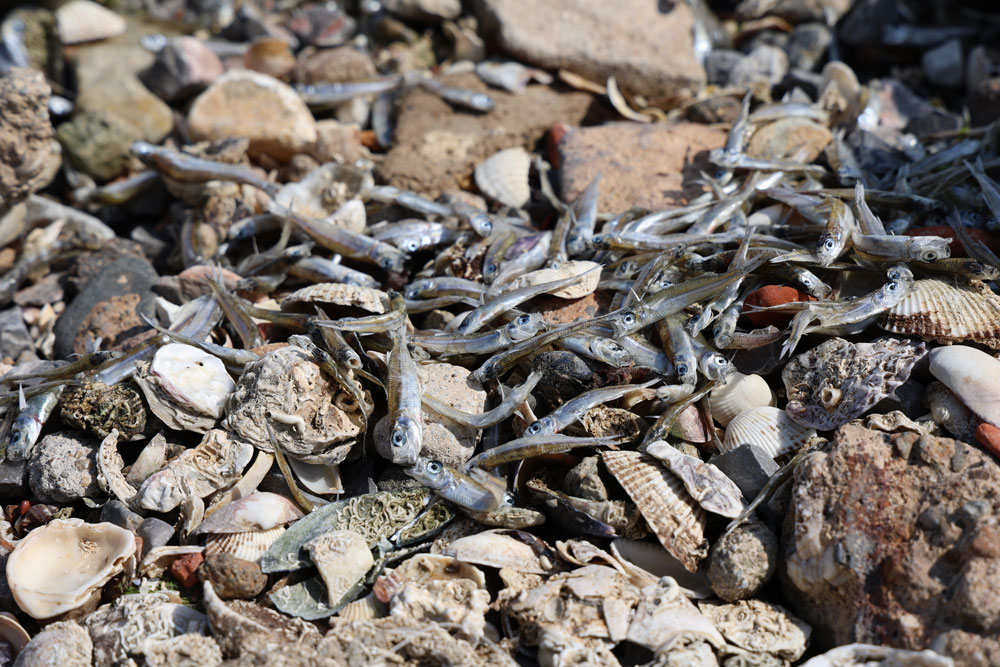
556,311
269,55
654,166
648,47
988,436
337,141
437,147
29,154
772,295
887,541
344,63
232,578
182,68
185,568
116,321
785,138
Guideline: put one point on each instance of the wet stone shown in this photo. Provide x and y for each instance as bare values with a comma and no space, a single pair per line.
747,465
232,577
63,468
29,156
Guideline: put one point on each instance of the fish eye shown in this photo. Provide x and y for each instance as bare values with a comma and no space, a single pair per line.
490,269
534,429
829,244
682,369
434,467
508,499
628,318
524,319
385,263
412,246
892,287
929,256
398,439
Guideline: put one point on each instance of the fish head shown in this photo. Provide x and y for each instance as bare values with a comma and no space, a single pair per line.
525,326
544,426
394,262
429,472
828,249
611,352
405,440
625,322
716,366
930,249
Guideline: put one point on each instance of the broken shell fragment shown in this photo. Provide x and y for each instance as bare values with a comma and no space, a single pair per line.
769,428
186,387
65,563
338,294
972,375
317,478
739,394
342,558
947,313
497,548
708,485
258,511
948,411
503,177
586,285
761,627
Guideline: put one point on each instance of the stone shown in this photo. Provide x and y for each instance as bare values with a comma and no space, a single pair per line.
807,45
772,295
720,65
15,340
984,102
116,512
13,478
436,147
154,533
339,65
895,539
255,106
743,561
107,306
232,578
185,569
321,24
64,643
793,11
988,436
446,440
789,138
747,465
183,67
62,468
653,166
336,141
97,143
943,64
29,155
648,47
763,67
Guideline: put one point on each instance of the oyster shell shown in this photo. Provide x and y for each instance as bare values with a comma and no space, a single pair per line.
325,192
62,643
86,21
665,617
739,394
869,655
235,623
760,627
186,387
947,313
708,485
423,568
769,428
258,511
186,649
973,376
343,559
586,285
497,548
99,408
838,381
677,520
503,177
458,603
339,294
64,564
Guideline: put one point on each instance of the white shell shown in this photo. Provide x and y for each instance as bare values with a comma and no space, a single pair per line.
741,393
193,378
316,477
362,609
862,655
63,564
12,632
760,627
769,428
973,375
342,558
340,294
708,485
494,548
258,511
329,193
504,177
86,21
586,285
249,545
947,313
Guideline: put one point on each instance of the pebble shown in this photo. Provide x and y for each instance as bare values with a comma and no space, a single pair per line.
762,68
747,465
743,561
794,11
154,533
339,65
647,47
29,154
256,106
15,340
185,569
232,578
269,55
807,45
988,436
13,479
64,643
653,166
337,142
943,64
182,68
62,468
772,295
788,137
118,513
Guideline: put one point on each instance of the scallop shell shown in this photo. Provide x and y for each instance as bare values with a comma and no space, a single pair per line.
586,285
768,428
940,311
677,520
65,563
86,21
363,609
249,545
504,177
708,485
339,294
256,512
741,393
973,375
949,411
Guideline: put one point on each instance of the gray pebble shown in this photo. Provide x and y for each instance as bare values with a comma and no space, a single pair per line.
115,511
154,533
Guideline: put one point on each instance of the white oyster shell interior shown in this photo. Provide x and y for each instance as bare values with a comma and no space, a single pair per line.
193,378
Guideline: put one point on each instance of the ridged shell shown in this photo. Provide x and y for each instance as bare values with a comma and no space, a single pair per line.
249,545
973,375
504,177
677,520
769,428
362,609
946,313
741,393
256,512
86,21
369,299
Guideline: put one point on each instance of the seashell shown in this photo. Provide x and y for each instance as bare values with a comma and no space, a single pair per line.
258,511
340,294
511,76
850,655
457,603
504,177
947,313
708,485
676,519
190,648
235,622
65,563
98,408
216,462
972,375
12,632
316,477
586,285
363,609
186,387
666,617
760,627
950,412
343,559
496,548
838,381
86,21
330,193
248,545
741,393
61,643
840,93
657,561
769,428
690,427
423,568
788,138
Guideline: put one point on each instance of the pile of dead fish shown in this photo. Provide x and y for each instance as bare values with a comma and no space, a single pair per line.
355,424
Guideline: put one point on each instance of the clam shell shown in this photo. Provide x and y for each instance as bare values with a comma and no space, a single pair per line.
586,285
12,632
195,379
741,393
504,177
249,545
86,21
256,512
769,428
947,313
316,477
339,294
677,520
973,375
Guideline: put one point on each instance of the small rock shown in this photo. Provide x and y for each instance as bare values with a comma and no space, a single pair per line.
772,295
255,106
63,468
749,466
29,154
321,25
789,137
232,578
64,643
185,569
585,480
425,10
15,341
743,561
13,478
337,142
339,65
763,67
556,311
182,68
988,436
720,65
807,45
564,376
269,55
793,11
984,102
601,421
653,166
154,533
647,47
943,64
116,512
